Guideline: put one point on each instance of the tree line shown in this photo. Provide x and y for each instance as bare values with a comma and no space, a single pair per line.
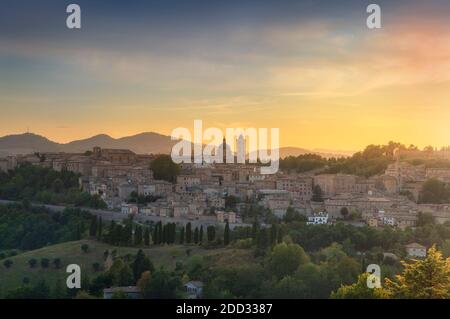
31,183
129,233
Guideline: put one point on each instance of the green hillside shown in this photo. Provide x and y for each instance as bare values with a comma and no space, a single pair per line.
71,253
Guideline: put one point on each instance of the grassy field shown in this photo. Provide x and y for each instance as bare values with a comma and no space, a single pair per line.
71,253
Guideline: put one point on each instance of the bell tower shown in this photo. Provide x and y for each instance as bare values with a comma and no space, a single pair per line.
224,150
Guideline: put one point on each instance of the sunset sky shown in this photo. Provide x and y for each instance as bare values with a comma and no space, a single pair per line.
311,68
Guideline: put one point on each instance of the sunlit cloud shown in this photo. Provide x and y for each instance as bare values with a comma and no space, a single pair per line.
325,80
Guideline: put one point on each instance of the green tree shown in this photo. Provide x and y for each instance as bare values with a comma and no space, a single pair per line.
164,234
41,290
285,259
172,233
344,212
100,227
287,288
160,234
196,235
121,273
112,233
201,234
78,232
226,234
317,194
230,202
292,215
127,233
96,267
424,219
119,294
59,290
446,248
195,266
273,234
32,262
211,233
162,285
155,235
347,268
141,264
262,240
57,263
434,192
144,280
45,262
164,168
58,186
182,236
8,263
85,248
359,290
188,233
93,227
147,236
423,279
138,236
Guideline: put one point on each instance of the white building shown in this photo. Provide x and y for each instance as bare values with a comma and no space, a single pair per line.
388,220
194,289
416,250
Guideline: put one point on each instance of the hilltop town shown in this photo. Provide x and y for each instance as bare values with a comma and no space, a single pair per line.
215,193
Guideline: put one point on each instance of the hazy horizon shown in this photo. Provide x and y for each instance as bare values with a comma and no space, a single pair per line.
314,149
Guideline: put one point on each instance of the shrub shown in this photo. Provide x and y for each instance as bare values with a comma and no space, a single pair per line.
8,263
85,248
45,262
32,262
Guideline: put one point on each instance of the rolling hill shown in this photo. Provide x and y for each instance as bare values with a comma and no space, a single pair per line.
71,253
143,143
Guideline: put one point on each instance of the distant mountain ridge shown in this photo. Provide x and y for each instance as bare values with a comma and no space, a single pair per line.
143,143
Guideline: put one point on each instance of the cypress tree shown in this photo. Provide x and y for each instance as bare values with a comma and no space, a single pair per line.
182,236
82,229
211,233
173,231
262,239
100,227
169,233
200,236
141,263
147,236
155,235
164,234
127,234
273,234
93,227
138,236
160,234
254,230
280,236
111,232
118,235
188,233
226,234
78,232
196,236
